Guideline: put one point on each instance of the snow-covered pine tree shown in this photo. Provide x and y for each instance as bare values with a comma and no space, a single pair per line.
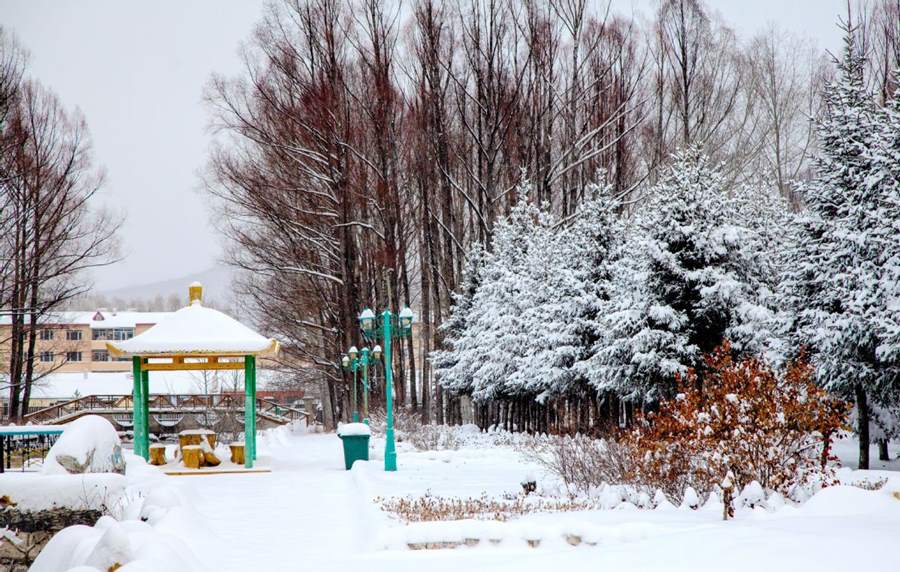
447,368
833,283
886,412
764,217
487,358
686,278
887,159
577,270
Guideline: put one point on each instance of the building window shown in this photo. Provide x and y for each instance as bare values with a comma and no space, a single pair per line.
73,335
46,334
117,334
46,356
100,355
73,356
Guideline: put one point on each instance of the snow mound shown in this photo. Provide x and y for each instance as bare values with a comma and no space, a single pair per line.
88,445
846,500
32,491
132,544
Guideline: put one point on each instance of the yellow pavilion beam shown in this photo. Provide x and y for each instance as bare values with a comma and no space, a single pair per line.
181,363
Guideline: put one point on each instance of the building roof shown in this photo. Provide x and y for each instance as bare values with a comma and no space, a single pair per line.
196,330
98,319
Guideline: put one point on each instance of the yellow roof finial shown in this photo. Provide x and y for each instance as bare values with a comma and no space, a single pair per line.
195,293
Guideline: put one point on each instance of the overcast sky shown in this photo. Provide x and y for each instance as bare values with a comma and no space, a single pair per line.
137,71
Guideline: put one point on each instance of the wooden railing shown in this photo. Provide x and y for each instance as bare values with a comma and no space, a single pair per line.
166,403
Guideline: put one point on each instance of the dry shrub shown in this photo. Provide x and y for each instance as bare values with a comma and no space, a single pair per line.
429,508
764,426
772,428
408,427
582,462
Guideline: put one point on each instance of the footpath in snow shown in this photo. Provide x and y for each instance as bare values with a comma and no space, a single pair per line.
306,512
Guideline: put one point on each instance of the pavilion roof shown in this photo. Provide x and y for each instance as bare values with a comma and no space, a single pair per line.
198,330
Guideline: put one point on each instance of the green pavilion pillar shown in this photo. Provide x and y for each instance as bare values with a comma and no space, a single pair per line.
145,396
137,402
249,411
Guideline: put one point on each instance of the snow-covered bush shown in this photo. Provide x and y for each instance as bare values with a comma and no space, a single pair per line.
88,445
409,428
110,545
582,462
752,496
763,426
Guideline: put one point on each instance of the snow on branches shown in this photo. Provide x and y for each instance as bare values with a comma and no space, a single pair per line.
840,288
698,265
526,310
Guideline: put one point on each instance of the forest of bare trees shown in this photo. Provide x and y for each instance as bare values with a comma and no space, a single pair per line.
49,234
368,144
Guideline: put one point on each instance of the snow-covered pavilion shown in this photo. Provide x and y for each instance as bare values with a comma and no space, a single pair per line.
194,338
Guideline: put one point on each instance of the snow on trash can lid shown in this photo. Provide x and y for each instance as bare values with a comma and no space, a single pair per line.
354,430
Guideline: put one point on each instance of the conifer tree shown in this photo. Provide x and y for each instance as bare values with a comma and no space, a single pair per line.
488,355
447,367
578,271
687,278
834,283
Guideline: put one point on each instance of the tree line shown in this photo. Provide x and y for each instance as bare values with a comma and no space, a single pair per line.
585,322
369,152
49,232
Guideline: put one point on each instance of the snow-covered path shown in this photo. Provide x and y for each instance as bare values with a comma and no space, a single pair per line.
305,512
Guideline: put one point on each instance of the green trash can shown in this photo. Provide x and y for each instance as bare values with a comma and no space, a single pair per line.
355,437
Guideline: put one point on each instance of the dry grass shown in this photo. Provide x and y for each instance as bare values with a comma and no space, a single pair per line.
875,485
430,508
410,429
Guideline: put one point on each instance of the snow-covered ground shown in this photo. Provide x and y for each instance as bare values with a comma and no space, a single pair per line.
310,514
847,450
66,385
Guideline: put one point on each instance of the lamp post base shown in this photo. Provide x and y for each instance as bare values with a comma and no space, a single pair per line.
390,451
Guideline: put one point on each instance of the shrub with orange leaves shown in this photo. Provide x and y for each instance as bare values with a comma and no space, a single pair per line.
774,428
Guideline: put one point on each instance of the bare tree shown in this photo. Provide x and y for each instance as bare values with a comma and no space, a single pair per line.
53,235
878,34
789,75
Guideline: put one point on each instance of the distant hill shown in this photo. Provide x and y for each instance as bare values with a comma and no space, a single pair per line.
217,289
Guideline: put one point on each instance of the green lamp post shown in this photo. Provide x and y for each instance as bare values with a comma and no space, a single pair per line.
368,327
365,380
353,353
355,360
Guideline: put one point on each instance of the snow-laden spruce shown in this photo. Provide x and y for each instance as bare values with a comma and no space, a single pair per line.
488,352
603,304
524,315
697,267
840,287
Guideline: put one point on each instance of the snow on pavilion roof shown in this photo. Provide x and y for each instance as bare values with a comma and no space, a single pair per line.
197,330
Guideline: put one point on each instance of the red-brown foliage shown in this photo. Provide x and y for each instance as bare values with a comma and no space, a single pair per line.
744,417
